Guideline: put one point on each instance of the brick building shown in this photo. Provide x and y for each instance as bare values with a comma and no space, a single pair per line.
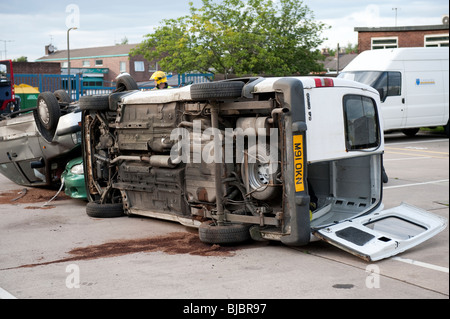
99,66
36,68
402,37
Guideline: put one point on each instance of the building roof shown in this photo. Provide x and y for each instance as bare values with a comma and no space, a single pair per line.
330,62
404,28
97,52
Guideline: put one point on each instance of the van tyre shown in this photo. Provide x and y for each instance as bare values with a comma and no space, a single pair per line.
217,90
94,102
411,132
211,233
97,210
262,174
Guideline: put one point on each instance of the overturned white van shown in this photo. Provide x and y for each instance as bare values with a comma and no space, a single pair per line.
413,85
290,159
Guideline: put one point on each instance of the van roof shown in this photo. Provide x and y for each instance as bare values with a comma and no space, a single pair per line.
380,60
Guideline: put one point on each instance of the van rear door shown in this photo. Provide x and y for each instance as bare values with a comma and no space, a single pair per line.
382,234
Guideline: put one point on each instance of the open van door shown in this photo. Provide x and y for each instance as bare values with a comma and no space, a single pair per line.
383,233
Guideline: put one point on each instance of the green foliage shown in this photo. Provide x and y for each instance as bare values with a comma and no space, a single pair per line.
238,37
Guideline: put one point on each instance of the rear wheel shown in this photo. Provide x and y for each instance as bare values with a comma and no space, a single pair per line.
211,233
411,132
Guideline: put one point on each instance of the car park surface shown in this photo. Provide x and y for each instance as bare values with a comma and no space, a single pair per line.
39,256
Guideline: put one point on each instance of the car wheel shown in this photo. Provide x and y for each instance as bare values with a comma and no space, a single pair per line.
94,102
62,97
211,233
126,83
97,210
48,110
217,90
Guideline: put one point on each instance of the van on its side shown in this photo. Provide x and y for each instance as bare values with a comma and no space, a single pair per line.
412,82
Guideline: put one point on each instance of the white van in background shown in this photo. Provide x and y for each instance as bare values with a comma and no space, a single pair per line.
412,82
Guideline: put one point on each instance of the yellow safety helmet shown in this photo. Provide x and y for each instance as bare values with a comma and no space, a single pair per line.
159,77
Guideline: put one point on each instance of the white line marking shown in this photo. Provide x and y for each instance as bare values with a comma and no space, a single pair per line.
6,295
416,184
403,159
421,264
416,142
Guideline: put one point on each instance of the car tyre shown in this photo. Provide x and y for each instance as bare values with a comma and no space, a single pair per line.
62,97
126,83
211,233
48,111
98,210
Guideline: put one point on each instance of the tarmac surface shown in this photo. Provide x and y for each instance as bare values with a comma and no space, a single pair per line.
58,252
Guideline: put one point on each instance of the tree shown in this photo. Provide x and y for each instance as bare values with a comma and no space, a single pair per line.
243,37
21,59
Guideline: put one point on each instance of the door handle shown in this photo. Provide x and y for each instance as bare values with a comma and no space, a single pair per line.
403,100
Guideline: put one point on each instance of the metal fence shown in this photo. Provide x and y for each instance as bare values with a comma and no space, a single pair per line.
51,82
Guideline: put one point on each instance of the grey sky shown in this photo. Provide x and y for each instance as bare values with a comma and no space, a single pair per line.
31,25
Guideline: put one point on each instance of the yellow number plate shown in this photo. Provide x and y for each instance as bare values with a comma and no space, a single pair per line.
299,163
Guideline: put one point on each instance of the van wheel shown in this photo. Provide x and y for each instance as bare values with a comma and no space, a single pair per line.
48,111
94,102
262,171
411,132
217,90
210,233
97,210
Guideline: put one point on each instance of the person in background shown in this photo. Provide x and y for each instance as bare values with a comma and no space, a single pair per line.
160,79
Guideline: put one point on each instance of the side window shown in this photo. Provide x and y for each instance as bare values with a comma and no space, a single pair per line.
394,83
361,122
389,84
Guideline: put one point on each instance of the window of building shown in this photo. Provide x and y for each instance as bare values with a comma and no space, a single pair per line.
98,62
153,67
139,66
384,43
64,64
361,122
122,66
436,40
86,63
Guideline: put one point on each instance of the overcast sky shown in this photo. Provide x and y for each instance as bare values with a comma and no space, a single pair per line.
29,25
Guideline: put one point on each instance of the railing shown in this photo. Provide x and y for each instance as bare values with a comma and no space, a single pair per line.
52,82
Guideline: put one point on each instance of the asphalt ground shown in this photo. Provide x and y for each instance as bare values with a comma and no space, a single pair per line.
61,253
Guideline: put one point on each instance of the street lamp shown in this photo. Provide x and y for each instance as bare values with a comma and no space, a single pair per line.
69,81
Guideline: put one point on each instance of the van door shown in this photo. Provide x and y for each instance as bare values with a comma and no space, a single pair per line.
383,233
392,97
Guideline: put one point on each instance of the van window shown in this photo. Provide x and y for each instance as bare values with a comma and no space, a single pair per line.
361,122
386,83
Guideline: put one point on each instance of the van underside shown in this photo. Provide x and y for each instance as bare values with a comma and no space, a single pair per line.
158,160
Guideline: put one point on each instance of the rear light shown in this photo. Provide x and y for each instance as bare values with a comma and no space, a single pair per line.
323,82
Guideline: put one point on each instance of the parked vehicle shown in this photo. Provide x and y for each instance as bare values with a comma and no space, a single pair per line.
413,85
36,143
8,101
73,179
291,159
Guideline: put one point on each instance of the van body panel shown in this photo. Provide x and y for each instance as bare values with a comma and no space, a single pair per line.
423,100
